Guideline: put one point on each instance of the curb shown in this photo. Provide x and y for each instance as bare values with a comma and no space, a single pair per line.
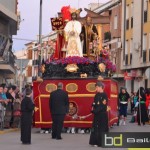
8,130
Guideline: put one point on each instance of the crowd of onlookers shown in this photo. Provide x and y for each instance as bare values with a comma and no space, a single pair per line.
10,105
134,101
139,104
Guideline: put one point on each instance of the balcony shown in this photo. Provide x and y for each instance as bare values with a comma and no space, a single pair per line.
7,63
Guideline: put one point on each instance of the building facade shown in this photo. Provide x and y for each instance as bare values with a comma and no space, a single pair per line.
8,27
111,35
136,43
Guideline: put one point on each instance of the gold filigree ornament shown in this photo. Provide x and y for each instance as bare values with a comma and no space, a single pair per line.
108,108
102,67
83,75
43,68
100,78
71,68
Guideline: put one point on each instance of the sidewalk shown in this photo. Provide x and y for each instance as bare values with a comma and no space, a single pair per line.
8,130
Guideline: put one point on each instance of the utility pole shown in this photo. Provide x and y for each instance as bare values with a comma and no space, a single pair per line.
21,73
40,38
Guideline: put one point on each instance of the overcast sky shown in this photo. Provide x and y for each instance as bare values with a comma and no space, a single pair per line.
29,9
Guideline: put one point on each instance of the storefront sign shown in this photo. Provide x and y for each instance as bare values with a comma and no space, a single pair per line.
127,76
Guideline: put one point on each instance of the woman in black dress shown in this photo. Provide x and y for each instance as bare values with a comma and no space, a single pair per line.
27,108
100,121
142,115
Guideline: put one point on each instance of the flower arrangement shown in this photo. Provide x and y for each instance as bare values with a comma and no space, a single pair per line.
56,68
104,58
74,60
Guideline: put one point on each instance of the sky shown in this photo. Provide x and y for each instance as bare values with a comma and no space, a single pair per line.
29,10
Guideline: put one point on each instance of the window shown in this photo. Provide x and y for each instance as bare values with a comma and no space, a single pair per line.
145,16
126,52
144,56
144,42
131,46
145,10
131,22
107,36
126,59
149,46
132,9
127,24
149,41
115,22
126,47
131,50
127,17
127,12
29,71
145,5
144,47
130,58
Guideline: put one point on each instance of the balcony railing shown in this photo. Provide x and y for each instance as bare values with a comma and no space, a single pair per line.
9,58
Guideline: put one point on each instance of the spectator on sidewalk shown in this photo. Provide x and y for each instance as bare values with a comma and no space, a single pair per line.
123,103
1,105
9,108
135,98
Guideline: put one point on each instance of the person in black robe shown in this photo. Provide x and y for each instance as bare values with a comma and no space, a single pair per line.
142,115
100,120
27,108
59,107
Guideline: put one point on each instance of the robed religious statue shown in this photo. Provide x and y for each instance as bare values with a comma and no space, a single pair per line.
72,36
